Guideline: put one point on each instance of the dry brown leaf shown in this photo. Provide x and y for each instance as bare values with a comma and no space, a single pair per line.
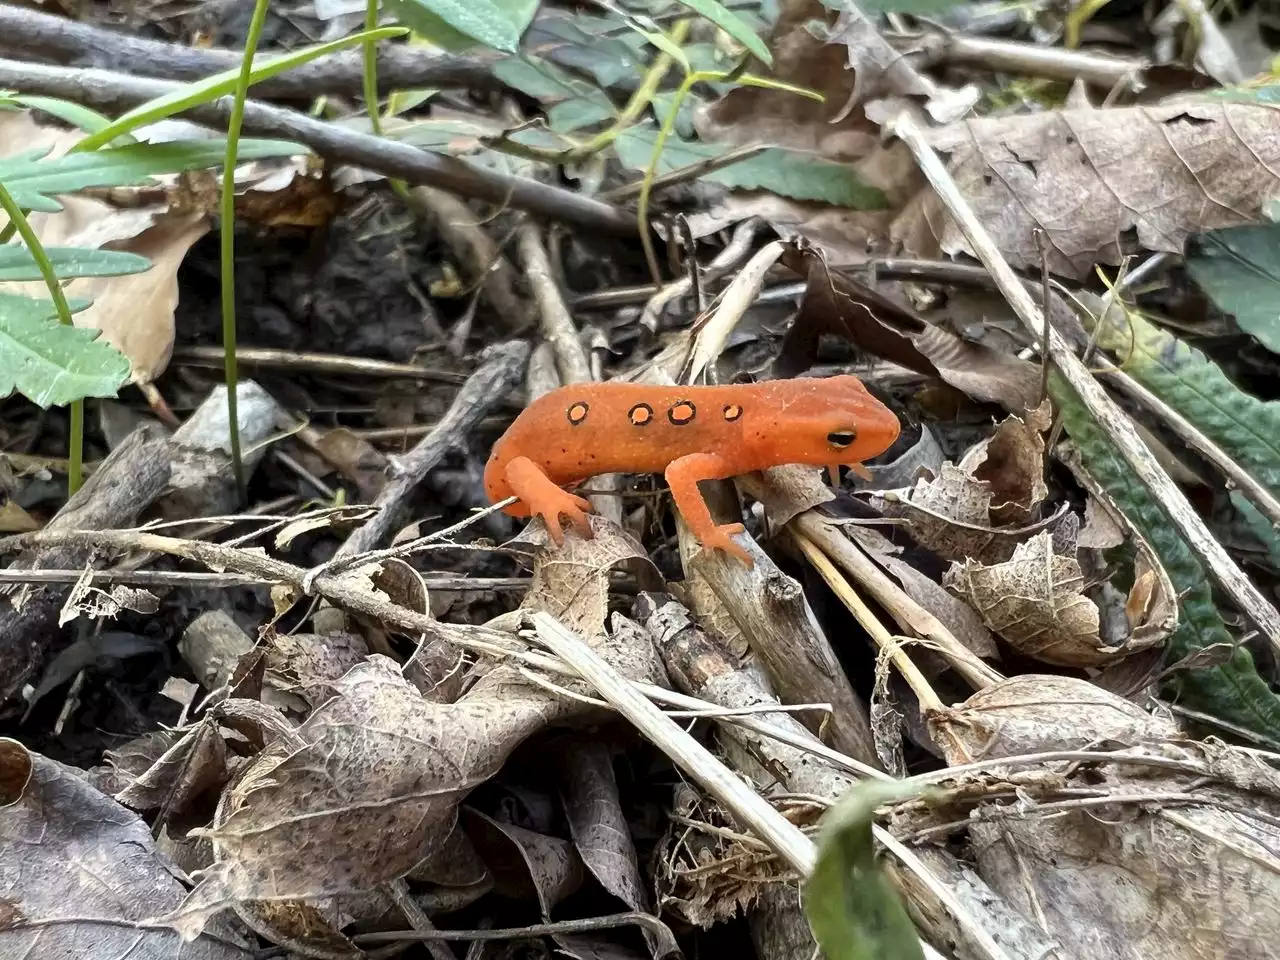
1090,179
950,514
1179,864
840,306
185,772
369,785
597,822
1035,712
760,115
1011,463
525,862
1036,602
572,582
135,313
81,872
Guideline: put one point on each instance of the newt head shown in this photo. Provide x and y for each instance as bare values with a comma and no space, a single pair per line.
837,421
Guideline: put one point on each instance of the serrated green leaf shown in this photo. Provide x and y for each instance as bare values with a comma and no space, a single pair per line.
1245,428
1258,525
854,912
1233,691
796,175
223,84
456,25
52,364
1238,268
733,25
33,181
16,263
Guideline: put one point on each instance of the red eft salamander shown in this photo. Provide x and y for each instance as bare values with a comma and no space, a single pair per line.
687,433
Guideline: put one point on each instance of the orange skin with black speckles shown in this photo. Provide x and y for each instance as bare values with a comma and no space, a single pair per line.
686,433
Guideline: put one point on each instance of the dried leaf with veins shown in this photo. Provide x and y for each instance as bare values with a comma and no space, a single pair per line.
1033,712
1036,602
593,807
572,583
1011,462
1092,179
369,785
524,861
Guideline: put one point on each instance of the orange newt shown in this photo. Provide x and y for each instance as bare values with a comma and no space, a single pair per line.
687,433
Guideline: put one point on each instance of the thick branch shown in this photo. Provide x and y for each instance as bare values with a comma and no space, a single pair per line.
115,93
27,34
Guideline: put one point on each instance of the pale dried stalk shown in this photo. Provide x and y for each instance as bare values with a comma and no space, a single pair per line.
929,700
748,807
737,298
847,555
1117,425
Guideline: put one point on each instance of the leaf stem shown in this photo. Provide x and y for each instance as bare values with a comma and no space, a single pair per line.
227,235
18,221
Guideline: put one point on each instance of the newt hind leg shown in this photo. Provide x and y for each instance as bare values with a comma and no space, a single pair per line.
544,498
683,476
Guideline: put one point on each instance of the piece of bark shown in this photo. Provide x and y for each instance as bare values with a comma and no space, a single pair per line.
124,485
212,645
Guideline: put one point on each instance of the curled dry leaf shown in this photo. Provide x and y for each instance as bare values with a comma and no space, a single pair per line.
1089,178
525,862
1035,600
86,870
1011,463
1180,865
1034,712
369,785
840,306
572,583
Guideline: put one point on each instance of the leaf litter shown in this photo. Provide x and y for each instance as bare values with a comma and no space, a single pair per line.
374,742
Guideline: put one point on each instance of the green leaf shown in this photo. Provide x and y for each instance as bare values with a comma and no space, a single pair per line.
733,25
32,181
1239,270
854,912
16,263
570,103
796,175
1245,428
222,84
456,25
1234,691
591,45
52,364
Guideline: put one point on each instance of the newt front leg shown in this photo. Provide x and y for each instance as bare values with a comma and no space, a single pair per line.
682,477
545,499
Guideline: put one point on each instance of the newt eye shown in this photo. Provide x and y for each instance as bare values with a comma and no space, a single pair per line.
841,438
